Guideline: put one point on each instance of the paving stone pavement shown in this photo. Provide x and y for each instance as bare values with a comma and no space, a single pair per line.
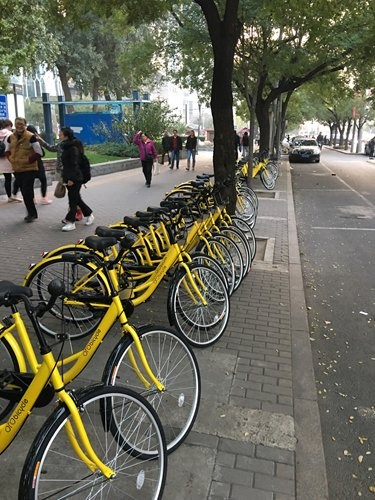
257,435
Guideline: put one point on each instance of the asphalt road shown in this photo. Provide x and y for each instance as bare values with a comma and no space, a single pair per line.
335,210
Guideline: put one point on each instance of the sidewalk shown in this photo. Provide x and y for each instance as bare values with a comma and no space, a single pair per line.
257,435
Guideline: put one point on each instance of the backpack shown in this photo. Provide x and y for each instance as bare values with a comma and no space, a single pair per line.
2,147
85,168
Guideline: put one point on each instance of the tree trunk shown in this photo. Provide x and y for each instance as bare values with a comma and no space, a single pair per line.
107,95
263,116
224,34
348,129
283,112
95,93
63,75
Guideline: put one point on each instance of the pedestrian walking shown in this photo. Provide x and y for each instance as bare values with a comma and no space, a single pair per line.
176,146
237,144
147,154
41,171
245,145
320,140
6,168
71,155
166,145
191,147
23,151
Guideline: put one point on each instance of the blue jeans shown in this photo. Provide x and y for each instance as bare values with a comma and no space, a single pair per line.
175,155
191,155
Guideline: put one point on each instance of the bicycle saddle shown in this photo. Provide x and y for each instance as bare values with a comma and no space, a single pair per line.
98,243
105,231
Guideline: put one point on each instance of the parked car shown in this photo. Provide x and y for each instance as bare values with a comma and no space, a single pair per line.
304,150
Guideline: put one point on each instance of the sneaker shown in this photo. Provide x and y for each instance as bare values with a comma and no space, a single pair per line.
45,201
69,226
148,185
171,167
30,218
15,198
89,220
10,200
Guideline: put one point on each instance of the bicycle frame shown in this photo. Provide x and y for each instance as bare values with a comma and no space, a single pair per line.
81,358
47,372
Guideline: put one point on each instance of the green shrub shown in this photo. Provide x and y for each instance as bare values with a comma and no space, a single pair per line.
121,150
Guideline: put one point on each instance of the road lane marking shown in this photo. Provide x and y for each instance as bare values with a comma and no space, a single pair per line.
344,228
349,186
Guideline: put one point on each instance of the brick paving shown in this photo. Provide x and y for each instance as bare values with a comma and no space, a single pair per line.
257,345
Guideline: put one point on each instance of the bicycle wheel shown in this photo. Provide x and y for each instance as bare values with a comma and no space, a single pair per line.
202,325
8,362
173,362
68,316
236,256
247,231
273,169
207,260
245,208
267,178
237,237
250,197
121,426
220,253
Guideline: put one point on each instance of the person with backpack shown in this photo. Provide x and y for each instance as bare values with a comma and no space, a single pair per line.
74,164
5,165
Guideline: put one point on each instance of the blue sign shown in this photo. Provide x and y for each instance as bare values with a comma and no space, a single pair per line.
3,106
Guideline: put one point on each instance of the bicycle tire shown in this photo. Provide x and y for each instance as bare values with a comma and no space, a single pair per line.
245,208
75,321
239,239
119,423
207,260
9,362
267,179
248,232
236,257
201,325
220,253
173,362
244,188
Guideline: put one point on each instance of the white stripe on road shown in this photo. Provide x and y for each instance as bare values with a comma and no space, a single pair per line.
349,187
344,228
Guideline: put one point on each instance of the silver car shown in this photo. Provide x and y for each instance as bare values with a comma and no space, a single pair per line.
304,150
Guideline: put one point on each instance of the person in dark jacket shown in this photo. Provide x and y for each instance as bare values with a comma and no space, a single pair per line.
176,146
41,171
166,145
71,150
245,145
191,147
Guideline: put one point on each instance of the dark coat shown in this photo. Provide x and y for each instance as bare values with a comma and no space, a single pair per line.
179,142
70,159
166,143
191,142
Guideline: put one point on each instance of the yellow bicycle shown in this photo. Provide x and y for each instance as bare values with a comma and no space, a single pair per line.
155,361
98,441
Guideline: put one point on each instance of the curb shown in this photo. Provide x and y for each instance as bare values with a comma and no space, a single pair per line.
311,475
